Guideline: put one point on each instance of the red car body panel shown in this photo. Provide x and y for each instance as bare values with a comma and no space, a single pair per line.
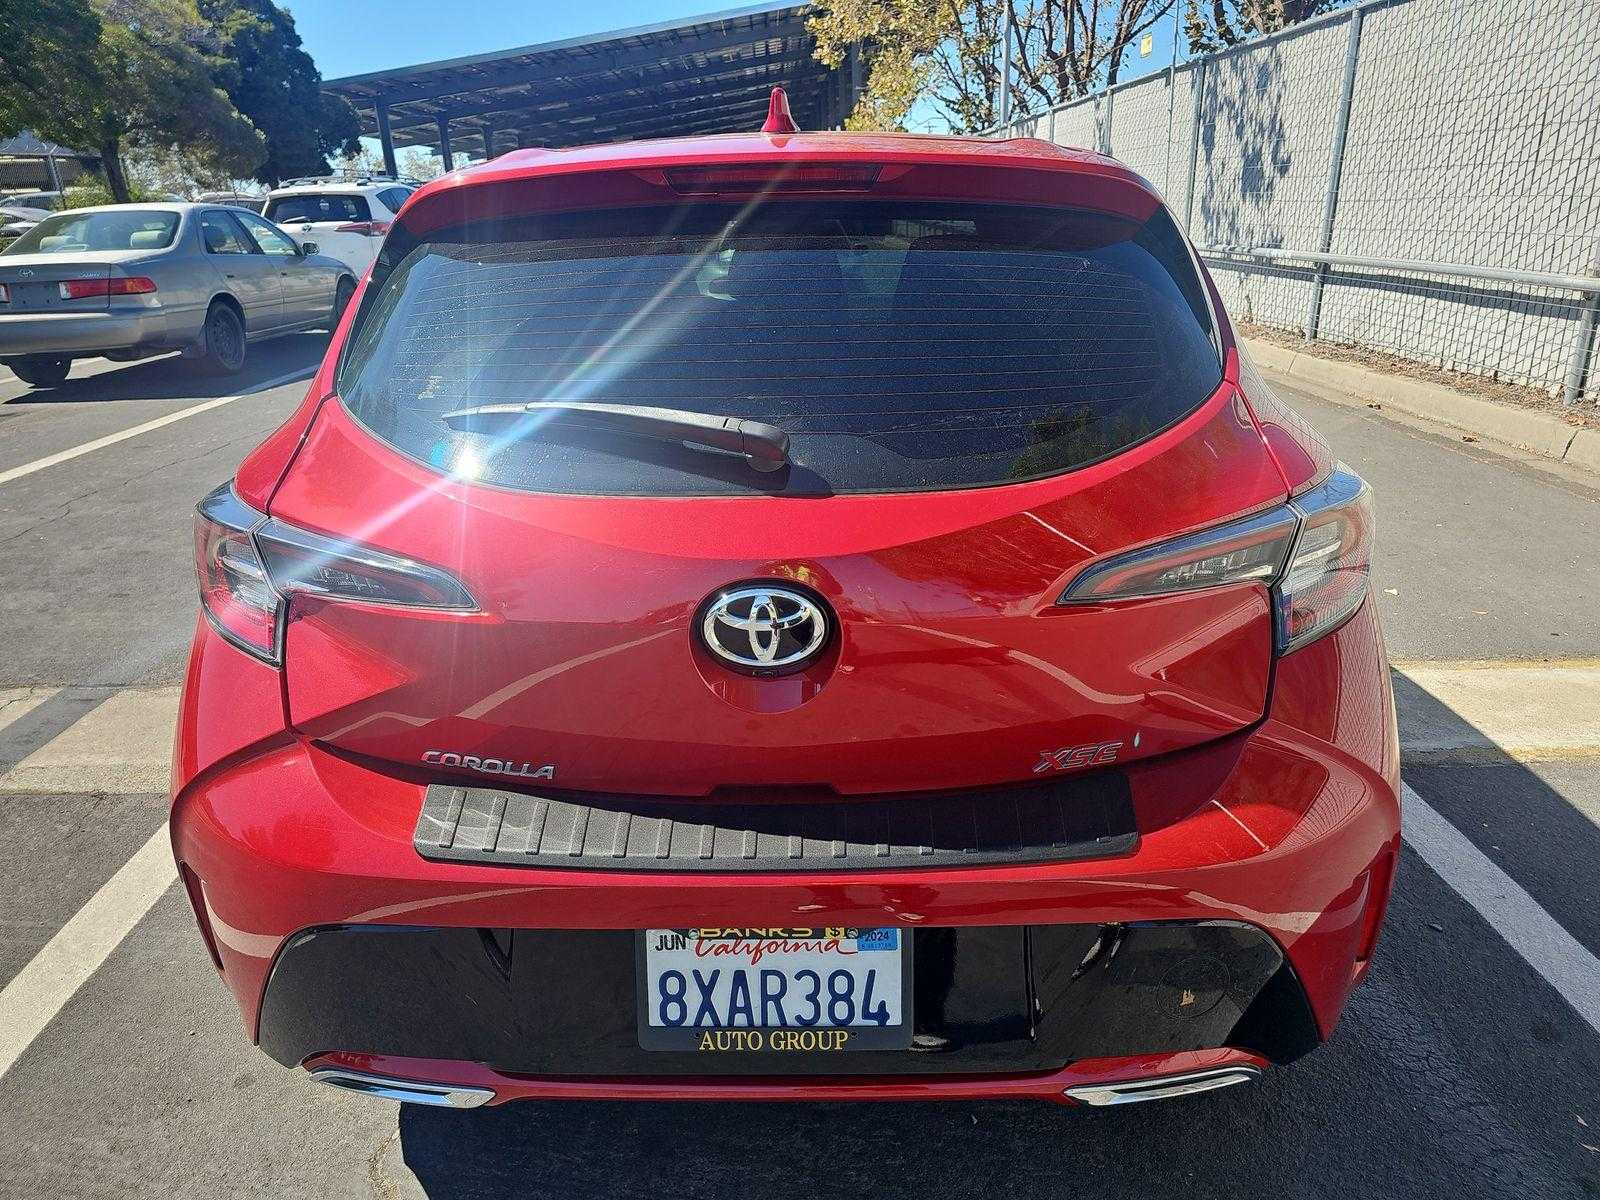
1265,788
292,837
955,667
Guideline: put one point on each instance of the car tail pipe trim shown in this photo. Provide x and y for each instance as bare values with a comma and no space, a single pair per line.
406,1091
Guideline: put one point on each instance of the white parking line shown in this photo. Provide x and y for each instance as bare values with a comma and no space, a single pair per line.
122,747
112,439
42,988
1516,916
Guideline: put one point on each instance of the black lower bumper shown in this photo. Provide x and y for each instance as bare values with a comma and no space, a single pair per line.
998,999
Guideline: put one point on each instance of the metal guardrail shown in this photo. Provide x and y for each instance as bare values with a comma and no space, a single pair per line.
1583,341
1587,284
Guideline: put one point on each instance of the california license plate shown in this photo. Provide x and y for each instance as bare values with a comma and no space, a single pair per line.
741,991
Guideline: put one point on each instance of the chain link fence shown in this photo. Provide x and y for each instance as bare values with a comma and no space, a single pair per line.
1415,177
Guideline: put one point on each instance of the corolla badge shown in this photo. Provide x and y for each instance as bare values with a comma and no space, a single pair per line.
488,766
764,628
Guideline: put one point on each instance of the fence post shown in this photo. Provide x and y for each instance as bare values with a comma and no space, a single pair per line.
1053,123
1341,128
1201,69
1105,128
1581,365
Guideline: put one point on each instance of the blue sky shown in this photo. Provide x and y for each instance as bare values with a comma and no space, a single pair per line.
349,37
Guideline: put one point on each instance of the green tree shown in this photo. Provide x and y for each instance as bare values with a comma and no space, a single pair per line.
418,162
121,70
1216,24
46,61
274,83
948,53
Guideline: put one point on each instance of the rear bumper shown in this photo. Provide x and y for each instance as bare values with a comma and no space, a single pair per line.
1269,853
81,332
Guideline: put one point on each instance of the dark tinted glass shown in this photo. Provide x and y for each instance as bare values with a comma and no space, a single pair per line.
286,210
902,347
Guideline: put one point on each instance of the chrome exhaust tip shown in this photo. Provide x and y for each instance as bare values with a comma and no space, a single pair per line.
406,1091
1163,1087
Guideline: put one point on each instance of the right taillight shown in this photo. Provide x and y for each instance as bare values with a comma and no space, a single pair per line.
250,564
1313,553
1326,576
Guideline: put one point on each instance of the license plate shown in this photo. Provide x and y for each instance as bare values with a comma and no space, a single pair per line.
741,991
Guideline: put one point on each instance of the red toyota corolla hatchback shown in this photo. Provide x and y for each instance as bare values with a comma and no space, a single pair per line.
787,616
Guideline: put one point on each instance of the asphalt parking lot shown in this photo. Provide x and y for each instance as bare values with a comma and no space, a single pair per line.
1466,1067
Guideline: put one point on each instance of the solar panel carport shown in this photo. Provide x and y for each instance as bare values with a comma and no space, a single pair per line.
710,74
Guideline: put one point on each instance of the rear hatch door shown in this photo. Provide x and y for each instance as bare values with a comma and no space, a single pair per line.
980,401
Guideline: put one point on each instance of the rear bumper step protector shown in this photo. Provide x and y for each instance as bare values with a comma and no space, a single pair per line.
1088,816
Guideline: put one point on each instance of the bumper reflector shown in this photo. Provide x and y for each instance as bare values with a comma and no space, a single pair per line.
1162,1087
406,1091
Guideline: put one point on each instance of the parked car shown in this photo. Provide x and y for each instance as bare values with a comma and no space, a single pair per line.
126,281
237,199
759,617
17,219
45,201
346,218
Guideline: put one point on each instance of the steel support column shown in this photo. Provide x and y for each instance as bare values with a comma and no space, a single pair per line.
386,139
444,144
1330,204
1199,86
857,82
488,141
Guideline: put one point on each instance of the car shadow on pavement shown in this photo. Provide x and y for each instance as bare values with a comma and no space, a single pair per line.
172,377
1457,1073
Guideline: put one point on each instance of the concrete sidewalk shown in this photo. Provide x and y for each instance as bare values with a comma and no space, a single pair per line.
1501,424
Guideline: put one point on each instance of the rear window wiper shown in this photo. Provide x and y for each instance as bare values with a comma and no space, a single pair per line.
764,447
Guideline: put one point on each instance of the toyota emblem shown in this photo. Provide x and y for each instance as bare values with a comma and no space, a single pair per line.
764,628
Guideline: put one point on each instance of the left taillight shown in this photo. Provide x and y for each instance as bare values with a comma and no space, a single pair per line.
1314,553
365,228
5,294
88,289
235,593
249,564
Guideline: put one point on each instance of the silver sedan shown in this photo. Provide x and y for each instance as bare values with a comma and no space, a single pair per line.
129,280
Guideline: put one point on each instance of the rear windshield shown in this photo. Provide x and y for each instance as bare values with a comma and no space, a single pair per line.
289,209
73,233
901,346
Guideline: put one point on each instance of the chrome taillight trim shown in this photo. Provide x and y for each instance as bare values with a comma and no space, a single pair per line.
274,530
1340,488
1279,519
223,507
